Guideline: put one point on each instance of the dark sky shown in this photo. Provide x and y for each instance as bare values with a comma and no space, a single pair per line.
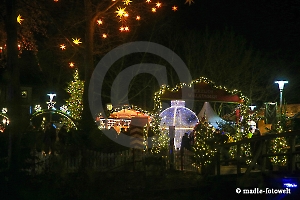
268,25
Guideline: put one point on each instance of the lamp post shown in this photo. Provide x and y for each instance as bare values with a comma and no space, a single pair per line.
281,86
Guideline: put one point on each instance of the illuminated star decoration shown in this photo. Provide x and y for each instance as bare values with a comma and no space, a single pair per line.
99,21
19,19
71,64
4,110
189,2
126,2
51,103
158,4
120,12
104,35
174,8
153,9
37,108
64,108
62,46
138,17
76,41
148,1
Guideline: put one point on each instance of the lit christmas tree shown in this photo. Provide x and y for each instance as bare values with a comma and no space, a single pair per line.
279,145
161,141
74,103
204,152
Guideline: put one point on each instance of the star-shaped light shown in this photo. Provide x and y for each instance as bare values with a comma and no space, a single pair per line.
121,28
158,4
153,9
55,0
148,1
126,28
64,108
104,35
126,2
189,2
51,105
138,17
99,21
37,108
120,12
174,8
4,110
62,46
71,64
19,19
76,41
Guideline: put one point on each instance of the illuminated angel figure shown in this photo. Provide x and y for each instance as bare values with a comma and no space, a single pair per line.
76,41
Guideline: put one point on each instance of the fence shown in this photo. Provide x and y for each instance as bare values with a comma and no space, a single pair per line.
129,160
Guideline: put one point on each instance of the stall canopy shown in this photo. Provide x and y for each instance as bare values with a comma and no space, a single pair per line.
210,115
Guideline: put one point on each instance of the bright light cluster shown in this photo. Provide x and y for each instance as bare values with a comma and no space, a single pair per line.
179,116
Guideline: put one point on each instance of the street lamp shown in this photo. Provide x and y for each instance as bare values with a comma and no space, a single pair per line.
281,86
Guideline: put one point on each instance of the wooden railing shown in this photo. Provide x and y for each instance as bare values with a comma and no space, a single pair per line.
262,151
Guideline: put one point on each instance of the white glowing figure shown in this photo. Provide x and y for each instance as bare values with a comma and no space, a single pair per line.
51,103
179,116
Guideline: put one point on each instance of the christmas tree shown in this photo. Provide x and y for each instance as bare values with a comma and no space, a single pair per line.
204,152
74,103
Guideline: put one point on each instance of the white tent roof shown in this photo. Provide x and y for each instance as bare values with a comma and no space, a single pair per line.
211,116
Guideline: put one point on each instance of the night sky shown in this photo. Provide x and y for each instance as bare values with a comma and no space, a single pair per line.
268,25
271,27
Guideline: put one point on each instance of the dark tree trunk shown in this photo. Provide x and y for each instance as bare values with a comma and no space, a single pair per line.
87,122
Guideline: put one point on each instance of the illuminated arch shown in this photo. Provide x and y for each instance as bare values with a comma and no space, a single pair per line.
51,111
203,90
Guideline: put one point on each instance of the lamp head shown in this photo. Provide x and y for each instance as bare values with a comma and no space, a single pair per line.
281,84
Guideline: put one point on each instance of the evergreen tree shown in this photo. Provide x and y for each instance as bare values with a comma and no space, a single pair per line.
204,152
74,103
